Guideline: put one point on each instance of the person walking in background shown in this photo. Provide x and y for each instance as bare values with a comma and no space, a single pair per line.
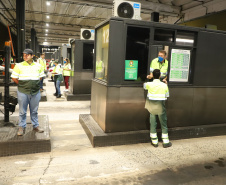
58,78
42,61
158,92
66,73
27,75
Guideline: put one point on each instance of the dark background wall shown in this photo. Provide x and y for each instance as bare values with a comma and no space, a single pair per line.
213,19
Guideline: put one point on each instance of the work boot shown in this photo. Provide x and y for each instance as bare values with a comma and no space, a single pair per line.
155,145
167,145
38,129
54,94
21,131
59,95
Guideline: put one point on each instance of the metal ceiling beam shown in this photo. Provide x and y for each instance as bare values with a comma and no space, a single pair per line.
146,6
53,34
54,23
60,15
209,3
7,11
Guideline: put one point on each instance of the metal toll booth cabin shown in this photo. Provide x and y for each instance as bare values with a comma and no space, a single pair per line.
82,52
197,88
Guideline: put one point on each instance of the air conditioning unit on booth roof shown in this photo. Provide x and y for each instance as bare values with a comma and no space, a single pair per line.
126,9
87,34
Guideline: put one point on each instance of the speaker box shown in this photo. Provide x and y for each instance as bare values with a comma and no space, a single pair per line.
155,16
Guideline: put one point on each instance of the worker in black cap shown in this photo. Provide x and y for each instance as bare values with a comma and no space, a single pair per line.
27,75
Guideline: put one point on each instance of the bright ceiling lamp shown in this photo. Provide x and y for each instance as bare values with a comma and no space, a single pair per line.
48,3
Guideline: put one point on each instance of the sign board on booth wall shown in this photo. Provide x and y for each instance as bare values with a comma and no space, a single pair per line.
131,69
179,66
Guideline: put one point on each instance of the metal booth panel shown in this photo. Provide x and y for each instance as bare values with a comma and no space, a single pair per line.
179,107
98,103
81,82
209,106
125,109
210,66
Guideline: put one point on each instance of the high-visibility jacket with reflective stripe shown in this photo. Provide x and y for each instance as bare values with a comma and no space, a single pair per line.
25,71
163,67
57,70
29,77
157,90
66,72
43,64
99,66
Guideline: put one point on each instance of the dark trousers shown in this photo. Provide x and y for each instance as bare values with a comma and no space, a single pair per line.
41,83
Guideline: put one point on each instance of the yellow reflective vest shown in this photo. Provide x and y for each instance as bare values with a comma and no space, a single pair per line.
66,72
157,90
43,64
99,66
25,71
163,67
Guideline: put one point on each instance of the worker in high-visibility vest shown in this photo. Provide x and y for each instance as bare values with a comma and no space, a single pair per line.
42,61
66,73
27,75
158,92
159,63
58,78
99,68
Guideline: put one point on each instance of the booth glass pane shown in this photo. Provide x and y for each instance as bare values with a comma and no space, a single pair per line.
164,35
137,50
72,56
102,45
185,38
88,56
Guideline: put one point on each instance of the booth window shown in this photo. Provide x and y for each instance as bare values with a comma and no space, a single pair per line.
88,56
164,35
102,45
185,38
137,50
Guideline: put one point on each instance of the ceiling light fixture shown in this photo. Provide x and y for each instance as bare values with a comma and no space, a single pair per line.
48,3
46,30
47,24
46,34
47,16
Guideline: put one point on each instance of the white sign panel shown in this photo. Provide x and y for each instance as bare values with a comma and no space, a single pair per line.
179,65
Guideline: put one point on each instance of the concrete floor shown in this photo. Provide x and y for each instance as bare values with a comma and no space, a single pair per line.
73,160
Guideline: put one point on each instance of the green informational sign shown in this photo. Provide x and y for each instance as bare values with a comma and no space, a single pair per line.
179,67
131,68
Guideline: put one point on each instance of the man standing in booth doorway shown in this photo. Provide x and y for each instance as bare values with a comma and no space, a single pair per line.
158,92
159,63
42,61
27,75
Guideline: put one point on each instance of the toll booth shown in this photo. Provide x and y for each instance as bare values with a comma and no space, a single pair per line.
82,52
196,82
